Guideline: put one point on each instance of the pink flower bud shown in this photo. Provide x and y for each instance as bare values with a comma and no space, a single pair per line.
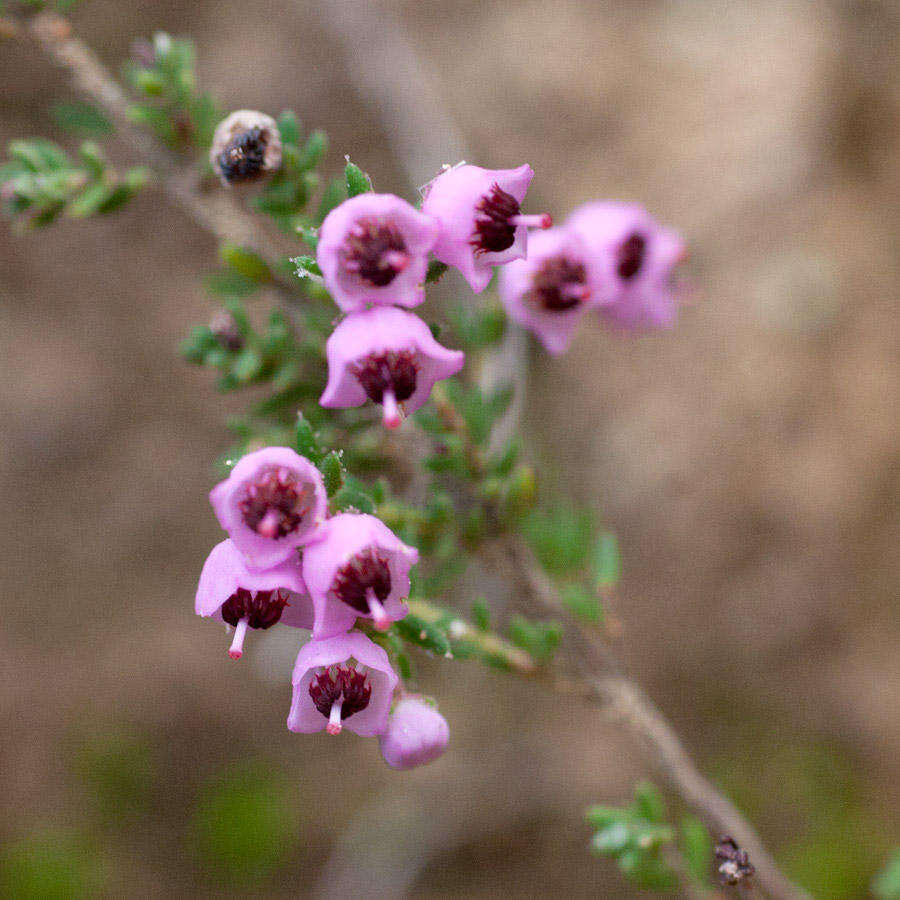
344,681
388,356
270,504
357,567
549,292
229,591
481,223
632,260
373,248
416,734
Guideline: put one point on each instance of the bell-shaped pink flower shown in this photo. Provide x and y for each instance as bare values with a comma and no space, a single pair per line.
373,248
270,504
245,598
549,292
416,734
389,356
344,681
357,567
633,260
481,222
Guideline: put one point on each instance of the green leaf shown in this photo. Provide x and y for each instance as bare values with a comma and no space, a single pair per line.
582,603
606,563
246,262
648,802
538,639
332,472
89,201
92,157
561,538
306,265
314,149
150,82
289,128
356,181
38,155
697,848
247,365
305,440
436,270
353,496
427,635
481,615
82,118
600,816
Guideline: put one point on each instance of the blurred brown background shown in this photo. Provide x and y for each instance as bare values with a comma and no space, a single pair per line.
748,461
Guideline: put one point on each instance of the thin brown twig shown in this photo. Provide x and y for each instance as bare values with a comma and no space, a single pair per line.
219,214
216,212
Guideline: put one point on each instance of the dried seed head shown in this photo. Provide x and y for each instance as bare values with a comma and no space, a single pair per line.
225,330
246,146
735,864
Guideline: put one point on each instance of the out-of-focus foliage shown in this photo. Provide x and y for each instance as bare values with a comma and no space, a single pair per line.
40,181
886,885
243,826
51,865
634,835
162,73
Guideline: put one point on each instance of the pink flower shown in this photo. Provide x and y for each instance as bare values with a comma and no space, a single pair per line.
357,567
373,248
344,680
271,503
416,734
228,590
388,356
633,259
549,292
481,224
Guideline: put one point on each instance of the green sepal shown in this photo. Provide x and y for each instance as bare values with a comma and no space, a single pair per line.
355,180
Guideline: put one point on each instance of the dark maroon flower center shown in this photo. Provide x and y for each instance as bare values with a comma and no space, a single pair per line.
261,610
630,256
367,571
375,251
393,370
275,504
493,230
342,683
244,155
558,284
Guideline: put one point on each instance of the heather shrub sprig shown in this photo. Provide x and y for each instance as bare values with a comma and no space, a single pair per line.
356,524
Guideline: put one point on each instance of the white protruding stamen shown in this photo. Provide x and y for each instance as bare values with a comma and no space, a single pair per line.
268,524
380,618
575,291
396,260
391,409
539,220
334,719
236,650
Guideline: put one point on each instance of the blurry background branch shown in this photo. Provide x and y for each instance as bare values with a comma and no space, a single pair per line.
219,213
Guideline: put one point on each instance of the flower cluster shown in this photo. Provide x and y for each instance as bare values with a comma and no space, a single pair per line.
373,253
285,560
345,575
608,256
